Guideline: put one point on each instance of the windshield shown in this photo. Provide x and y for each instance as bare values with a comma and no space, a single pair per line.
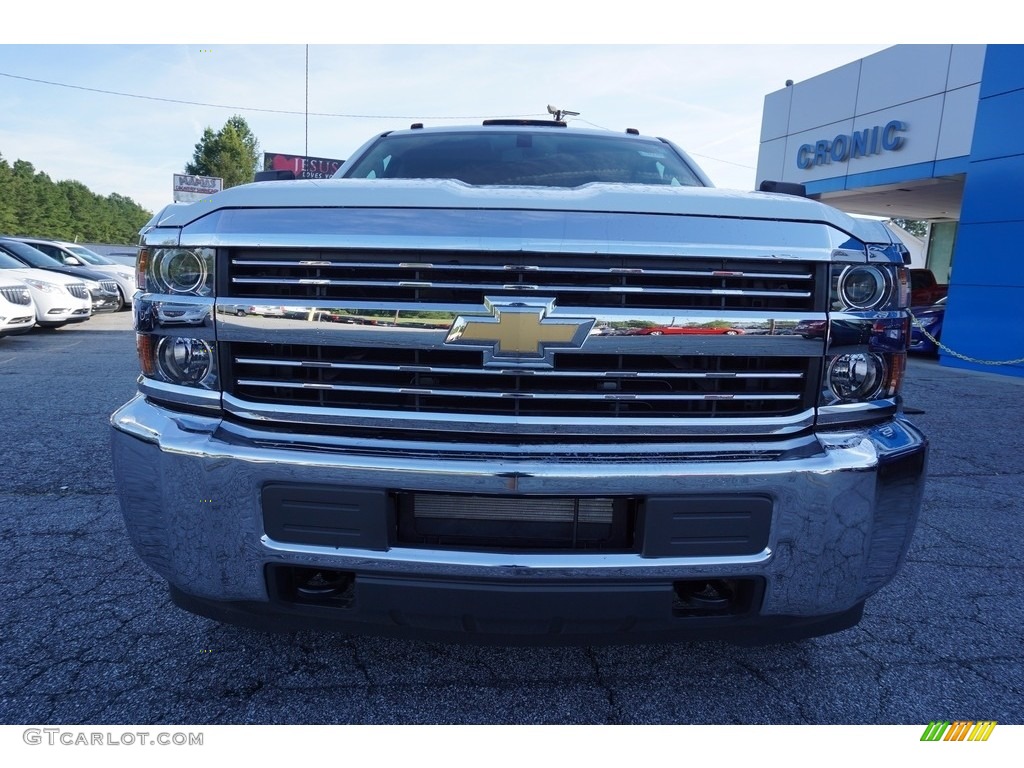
545,158
9,262
88,256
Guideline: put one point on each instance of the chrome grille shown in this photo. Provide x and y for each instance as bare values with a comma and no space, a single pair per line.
109,285
573,280
16,295
579,384
78,290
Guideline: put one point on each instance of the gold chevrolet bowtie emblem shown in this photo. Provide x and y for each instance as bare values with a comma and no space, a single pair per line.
519,331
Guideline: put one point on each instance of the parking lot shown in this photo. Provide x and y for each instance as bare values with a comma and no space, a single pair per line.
88,634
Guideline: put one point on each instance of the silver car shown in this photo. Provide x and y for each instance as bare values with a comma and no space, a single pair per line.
72,254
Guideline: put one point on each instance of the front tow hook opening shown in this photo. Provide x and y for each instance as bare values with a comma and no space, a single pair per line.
313,586
712,597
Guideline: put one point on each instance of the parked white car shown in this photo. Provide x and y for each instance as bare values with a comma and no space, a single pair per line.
58,299
17,309
72,254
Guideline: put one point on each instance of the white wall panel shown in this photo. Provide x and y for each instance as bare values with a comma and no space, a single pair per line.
921,137
824,99
906,83
965,66
900,74
771,161
832,169
775,119
957,129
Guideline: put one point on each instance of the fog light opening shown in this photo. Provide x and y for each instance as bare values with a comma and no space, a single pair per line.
182,360
856,376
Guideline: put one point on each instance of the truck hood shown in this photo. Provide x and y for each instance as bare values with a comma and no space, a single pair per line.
447,194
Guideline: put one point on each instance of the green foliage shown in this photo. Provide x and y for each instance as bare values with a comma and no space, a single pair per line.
33,205
232,153
913,226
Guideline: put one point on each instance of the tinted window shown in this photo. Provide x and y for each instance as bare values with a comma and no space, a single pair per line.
9,262
90,257
49,250
524,158
29,254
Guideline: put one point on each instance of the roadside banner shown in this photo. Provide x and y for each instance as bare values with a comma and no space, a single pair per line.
303,167
189,189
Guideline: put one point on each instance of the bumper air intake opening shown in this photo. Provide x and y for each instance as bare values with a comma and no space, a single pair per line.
516,523
312,586
714,597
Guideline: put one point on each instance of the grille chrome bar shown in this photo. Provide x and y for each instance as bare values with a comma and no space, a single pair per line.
533,269
16,295
447,278
493,288
580,385
518,372
486,394
78,290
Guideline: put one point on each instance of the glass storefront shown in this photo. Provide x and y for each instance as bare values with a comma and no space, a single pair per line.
941,239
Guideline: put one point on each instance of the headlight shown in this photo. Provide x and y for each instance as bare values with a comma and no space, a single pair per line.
856,376
867,341
176,271
863,287
858,287
184,361
43,286
178,360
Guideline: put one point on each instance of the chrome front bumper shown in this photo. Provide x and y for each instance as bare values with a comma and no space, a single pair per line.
844,506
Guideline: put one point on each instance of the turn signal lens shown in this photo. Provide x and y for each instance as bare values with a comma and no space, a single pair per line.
144,344
141,267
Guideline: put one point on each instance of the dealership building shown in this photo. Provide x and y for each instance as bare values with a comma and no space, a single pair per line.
929,132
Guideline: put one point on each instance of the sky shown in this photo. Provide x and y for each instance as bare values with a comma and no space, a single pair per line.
659,69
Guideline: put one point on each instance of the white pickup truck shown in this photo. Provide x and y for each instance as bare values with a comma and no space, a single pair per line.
434,441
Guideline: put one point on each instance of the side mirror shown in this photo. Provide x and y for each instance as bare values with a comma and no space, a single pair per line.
72,261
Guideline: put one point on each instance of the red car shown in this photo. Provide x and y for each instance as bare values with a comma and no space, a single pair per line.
676,330
925,290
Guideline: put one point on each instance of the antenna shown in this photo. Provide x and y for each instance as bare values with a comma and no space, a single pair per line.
560,114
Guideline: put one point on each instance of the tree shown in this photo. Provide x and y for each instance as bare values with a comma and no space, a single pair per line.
33,205
232,153
914,226
8,216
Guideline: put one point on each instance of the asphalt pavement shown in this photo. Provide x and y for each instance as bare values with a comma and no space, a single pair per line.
89,636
